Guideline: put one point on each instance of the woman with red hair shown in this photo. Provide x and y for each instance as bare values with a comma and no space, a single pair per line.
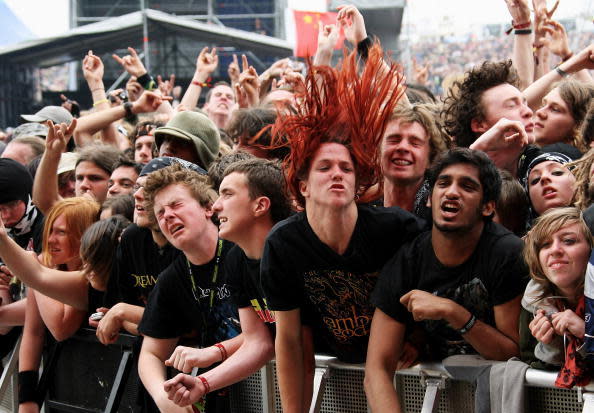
320,265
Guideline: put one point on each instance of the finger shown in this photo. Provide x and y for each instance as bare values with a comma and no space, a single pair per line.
118,59
405,298
552,11
159,79
133,52
172,80
235,62
244,62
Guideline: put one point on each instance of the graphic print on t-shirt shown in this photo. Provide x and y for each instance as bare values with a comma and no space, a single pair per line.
342,300
445,341
260,306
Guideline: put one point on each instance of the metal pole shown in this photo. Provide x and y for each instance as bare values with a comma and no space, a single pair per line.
145,38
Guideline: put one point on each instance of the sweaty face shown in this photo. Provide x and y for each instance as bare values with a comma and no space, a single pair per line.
143,149
179,148
234,207
457,199
564,258
121,181
91,181
505,101
550,185
554,122
59,243
12,212
181,218
331,179
405,152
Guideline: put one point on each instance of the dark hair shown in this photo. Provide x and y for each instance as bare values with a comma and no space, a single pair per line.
488,174
265,178
124,161
33,165
512,206
465,105
146,127
252,127
104,156
219,83
417,93
97,247
218,166
122,204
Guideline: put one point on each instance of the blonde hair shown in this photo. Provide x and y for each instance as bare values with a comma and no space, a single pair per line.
79,213
545,226
581,171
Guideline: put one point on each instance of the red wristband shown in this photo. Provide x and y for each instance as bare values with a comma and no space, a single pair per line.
520,26
205,384
194,82
223,351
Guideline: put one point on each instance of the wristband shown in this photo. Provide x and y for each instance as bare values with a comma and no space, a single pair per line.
522,31
100,102
147,82
130,116
561,72
205,384
363,47
28,386
469,324
222,350
201,84
524,25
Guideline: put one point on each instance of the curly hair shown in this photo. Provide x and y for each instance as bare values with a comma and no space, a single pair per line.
177,175
461,107
583,195
341,106
546,225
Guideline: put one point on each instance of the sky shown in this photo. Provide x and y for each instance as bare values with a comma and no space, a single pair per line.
50,17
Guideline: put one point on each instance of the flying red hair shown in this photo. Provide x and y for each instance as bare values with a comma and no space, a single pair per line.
342,106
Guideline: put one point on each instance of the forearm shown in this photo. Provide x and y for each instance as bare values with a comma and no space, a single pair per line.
380,390
523,59
544,62
33,338
97,121
45,186
255,351
61,320
13,314
584,76
290,373
190,99
129,316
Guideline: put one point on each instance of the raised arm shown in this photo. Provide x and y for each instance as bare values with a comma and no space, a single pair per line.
523,58
45,185
68,287
206,63
580,61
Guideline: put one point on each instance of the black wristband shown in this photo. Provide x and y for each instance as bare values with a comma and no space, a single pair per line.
523,31
130,116
363,47
28,386
145,80
466,327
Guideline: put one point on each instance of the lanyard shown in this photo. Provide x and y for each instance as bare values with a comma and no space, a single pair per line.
215,273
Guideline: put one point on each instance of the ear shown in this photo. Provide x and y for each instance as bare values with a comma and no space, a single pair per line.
478,126
261,206
208,211
488,208
303,188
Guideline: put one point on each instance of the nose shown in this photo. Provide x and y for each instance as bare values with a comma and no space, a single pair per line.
452,191
114,189
216,207
139,194
541,113
85,184
556,247
526,111
5,214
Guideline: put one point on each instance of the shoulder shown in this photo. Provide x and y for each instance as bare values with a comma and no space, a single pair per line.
501,240
389,218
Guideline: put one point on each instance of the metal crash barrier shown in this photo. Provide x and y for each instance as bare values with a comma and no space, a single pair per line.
88,376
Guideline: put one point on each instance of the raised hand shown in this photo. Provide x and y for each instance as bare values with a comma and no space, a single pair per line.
249,83
166,86
134,89
207,62
233,70
519,11
421,73
149,102
351,20
558,43
131,63
92,68
327,37
58,136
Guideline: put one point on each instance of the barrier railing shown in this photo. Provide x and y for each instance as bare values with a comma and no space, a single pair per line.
85,367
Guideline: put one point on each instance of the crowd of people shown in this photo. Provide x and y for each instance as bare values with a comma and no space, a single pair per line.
340,210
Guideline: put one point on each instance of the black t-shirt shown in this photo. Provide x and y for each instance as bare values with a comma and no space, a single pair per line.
204,311
244,281
138,263
332,290
494,274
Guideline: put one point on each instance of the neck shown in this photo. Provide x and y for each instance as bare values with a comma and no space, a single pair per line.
252,243
220,120
452,249
334,227
204,249
158,237
571,294
401,194
74,264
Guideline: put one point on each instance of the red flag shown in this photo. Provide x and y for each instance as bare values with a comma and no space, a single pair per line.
306,31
